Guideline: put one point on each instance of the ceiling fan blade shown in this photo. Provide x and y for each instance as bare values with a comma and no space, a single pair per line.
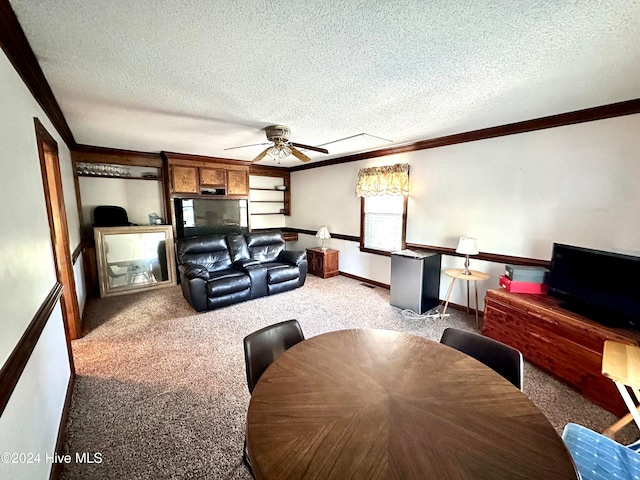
243,146
261,156
298,154
309,147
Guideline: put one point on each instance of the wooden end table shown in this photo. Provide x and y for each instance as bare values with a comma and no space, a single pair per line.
323,263
474,276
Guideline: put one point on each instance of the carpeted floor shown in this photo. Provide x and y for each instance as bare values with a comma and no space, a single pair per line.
161,390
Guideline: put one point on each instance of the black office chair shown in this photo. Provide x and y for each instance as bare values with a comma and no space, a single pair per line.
110,216
505,360
261,348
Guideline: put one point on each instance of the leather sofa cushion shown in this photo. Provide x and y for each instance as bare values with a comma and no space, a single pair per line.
210,251
293,257
237,248
265,246
278,273
225,282
193,270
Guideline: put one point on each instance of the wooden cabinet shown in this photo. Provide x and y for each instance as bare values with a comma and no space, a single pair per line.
238,181
322,263
221,179
563,343
213,177
184,179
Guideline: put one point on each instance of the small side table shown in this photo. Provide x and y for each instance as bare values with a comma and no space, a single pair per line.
322,263
621,363
474,276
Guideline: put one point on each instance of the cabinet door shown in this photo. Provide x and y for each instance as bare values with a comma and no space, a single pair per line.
315,261
238,182
184,179
213,177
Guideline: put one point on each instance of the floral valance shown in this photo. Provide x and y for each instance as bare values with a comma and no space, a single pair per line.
387,180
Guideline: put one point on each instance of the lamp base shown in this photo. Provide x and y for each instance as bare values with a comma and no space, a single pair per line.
466,270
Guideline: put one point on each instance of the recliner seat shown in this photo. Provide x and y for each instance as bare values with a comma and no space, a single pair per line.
220,270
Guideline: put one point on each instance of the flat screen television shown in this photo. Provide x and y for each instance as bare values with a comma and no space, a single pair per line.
599,285
207,216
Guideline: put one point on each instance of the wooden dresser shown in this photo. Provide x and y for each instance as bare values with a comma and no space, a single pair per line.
567,345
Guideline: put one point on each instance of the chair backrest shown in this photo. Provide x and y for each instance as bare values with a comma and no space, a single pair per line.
261,348
505,360
210,251
265,246
597,457
110,216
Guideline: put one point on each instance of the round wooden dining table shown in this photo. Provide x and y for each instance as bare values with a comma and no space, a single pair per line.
378,404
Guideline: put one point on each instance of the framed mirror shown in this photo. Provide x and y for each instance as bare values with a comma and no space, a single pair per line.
131,259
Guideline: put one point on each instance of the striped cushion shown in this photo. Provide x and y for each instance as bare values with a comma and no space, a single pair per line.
598,457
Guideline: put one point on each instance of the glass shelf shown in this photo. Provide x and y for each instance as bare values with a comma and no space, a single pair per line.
107,170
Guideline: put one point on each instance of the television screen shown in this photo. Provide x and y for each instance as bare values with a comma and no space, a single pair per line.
208,216
599,285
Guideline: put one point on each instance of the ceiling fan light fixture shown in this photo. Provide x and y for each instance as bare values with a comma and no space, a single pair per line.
279,151
282,147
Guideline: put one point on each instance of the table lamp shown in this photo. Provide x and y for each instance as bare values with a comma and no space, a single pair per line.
323,234
467,246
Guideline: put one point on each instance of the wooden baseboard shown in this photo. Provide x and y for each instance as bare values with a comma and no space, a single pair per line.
56,469
365,280
455,306
463,308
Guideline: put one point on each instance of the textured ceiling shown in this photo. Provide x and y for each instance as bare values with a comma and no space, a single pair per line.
199,76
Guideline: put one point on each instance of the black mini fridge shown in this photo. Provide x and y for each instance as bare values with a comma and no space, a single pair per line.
415,280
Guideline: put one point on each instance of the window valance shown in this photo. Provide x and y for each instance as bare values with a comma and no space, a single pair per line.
387,180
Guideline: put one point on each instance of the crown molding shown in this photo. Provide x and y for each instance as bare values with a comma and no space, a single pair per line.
16,46
602,112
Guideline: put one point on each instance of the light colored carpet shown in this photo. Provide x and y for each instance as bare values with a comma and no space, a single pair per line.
161,389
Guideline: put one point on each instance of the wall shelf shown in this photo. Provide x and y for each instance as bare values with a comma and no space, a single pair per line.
114,170
268,203
124,177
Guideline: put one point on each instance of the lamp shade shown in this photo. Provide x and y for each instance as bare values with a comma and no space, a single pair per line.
467,246
323,233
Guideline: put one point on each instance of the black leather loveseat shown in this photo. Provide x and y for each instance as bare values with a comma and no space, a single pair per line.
220,270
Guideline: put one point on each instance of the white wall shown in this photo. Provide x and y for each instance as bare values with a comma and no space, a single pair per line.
29,423
27,275
516,194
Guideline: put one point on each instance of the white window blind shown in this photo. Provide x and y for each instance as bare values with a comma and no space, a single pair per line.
383,222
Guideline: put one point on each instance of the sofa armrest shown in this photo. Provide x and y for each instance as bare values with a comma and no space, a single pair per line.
246,263
191,270
292,257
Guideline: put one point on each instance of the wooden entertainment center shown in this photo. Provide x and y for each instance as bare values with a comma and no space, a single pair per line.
565,344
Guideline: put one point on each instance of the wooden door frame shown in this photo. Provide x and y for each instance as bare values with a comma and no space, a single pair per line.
57,215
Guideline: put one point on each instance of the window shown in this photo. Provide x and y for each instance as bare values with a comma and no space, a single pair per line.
383,193
383,221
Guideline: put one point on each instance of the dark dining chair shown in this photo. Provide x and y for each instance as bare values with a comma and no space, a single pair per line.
503,359
261,348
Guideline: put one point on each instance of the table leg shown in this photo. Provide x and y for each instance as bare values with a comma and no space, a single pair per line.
628,402
475,287
611,430
468,282
446,303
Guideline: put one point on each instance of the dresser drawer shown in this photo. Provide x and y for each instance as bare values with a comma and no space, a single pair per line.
564,358
550,344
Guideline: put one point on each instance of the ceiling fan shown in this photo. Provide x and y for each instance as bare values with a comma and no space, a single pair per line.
282,147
